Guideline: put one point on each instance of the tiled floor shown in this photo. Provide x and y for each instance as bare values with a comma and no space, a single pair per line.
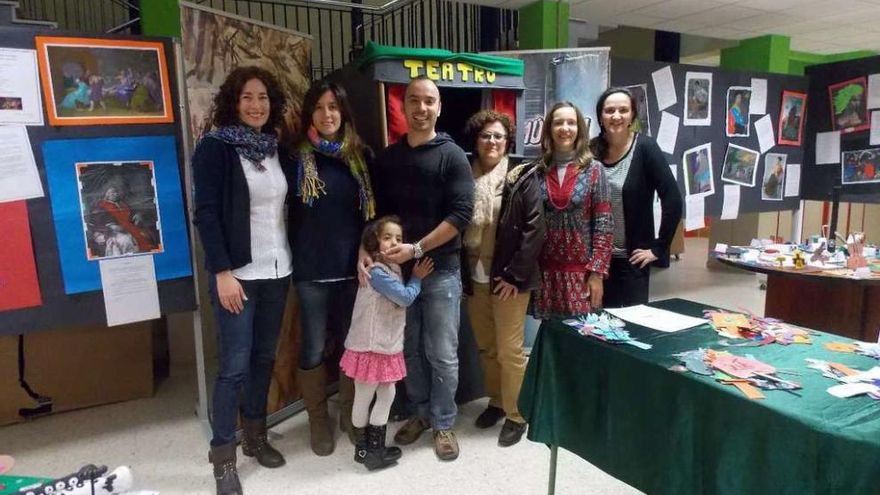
165,444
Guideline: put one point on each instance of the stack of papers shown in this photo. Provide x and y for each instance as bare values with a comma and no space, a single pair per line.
656,319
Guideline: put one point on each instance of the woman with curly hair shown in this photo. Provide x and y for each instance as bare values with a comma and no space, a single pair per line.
240,179
334,200
501,245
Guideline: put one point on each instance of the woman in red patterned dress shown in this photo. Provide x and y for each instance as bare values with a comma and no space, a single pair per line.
577,251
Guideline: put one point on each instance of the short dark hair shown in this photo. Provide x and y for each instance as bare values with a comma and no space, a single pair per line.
224,112
481,119
370,237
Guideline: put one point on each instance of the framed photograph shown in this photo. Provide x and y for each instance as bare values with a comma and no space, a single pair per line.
738,118
740,165
699,179
792,114
859,166
640,95
849,106
773,185
698,98
119,207
89,81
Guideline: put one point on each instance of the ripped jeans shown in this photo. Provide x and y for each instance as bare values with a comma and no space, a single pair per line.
431,348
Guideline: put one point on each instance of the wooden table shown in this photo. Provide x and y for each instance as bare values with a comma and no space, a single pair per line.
817,299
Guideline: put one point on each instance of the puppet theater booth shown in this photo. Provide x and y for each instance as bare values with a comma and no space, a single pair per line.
376,83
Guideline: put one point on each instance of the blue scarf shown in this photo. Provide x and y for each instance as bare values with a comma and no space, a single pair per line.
254,146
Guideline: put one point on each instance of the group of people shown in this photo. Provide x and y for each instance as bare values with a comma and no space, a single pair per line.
382,248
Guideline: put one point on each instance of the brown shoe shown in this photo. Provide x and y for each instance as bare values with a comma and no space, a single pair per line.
411,430
445,445
313,385
511,433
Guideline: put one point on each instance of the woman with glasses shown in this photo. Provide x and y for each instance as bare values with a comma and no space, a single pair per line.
501,245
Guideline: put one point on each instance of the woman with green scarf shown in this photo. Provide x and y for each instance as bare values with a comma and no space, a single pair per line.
334,199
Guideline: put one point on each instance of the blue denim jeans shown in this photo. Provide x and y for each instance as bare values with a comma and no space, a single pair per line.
324,309
246,345
431,348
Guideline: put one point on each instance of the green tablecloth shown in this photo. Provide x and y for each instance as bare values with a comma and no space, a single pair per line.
12,484
665,432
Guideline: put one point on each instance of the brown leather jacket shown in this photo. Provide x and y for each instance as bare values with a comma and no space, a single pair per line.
521,230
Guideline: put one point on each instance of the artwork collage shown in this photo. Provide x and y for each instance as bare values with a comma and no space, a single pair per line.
116,202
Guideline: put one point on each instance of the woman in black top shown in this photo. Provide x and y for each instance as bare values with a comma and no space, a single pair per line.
240,177
334,199
636,169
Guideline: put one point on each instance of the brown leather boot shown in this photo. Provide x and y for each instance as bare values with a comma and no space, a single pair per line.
225,472
346,401
255,443
314,389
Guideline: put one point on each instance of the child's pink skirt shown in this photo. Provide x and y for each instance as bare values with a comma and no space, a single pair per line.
372,367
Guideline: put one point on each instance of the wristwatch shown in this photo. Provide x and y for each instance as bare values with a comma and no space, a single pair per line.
417,250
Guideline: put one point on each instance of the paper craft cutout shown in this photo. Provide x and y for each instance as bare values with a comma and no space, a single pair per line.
606,328
740,367
6,463
840,347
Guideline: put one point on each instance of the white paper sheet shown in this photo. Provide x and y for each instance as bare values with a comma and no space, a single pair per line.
130,290
852,389
730,207
19,178
20,101
758,104
792,180
875,128
656,319
764,129
696,212
827,147
664,88
668,133
874,91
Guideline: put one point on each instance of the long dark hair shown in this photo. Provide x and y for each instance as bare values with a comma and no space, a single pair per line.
599,144
348,131
224,111
582,157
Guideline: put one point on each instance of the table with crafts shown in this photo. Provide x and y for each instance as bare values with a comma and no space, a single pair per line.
670,432
829,300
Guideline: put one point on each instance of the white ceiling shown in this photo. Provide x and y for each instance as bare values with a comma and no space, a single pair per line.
817,26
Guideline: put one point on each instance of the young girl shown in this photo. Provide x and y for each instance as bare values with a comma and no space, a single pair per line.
373,355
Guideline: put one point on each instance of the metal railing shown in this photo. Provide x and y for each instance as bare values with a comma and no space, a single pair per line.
340,29
89,16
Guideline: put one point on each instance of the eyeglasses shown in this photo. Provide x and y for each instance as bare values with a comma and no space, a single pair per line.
488,136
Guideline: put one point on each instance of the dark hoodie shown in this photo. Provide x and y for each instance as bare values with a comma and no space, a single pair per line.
424,186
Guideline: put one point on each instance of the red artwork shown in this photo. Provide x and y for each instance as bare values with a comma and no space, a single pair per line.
19,287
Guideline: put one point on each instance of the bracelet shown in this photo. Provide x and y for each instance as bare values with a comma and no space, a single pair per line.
417,250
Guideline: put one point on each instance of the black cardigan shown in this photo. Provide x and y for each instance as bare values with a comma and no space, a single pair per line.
649,172
222,203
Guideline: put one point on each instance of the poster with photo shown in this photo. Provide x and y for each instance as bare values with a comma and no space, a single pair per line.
119,208
773,185
740,165
698,98
699,179
643,122
859,166
90,81
849,108
19,87
792,115
738,117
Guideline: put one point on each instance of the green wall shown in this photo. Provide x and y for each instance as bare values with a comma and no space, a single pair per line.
160,18
538,24
772,53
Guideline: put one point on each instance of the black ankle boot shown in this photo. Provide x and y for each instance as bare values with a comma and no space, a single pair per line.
254,443
378,455
225,473
360,444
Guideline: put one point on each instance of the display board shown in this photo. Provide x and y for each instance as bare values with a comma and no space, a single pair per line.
110,168
703,121
840,100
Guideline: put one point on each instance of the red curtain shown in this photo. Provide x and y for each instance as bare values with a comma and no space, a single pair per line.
394,111
505,102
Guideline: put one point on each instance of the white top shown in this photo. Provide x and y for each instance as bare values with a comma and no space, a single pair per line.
270,250
560,172
480,276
